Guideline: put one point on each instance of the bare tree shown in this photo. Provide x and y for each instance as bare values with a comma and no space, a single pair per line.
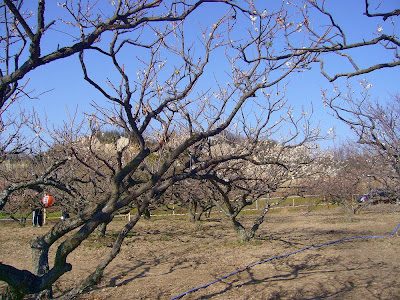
272,169
164,104
343,176
193,195
376,126
161,101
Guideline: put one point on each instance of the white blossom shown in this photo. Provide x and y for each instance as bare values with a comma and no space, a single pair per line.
264,14
299,29
253,19
264,80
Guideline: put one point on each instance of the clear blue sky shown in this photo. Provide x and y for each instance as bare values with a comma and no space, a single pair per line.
66,88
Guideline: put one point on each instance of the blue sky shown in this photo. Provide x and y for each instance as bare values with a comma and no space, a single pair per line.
64,87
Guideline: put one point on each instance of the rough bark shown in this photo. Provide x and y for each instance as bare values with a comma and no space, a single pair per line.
240,230
42,277
26,282
40,264
101,230
259,221
12,294
95,277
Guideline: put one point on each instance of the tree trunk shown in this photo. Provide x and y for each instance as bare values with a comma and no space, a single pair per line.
146,213
40,264
41,278
197,218
12,294
258,222
208,215
241,230
349,211
101,230
95,277
192,211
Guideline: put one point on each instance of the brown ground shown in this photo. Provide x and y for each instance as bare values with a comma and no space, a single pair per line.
163,258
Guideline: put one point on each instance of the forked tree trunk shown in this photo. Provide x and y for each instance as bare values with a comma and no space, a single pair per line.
95,277
41,278
240,230
197,218
247,235
194,214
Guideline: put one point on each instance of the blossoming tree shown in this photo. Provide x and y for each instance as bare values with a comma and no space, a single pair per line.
158,85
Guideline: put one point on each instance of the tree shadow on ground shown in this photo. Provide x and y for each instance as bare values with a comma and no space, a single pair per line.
142,269
309,270
124,271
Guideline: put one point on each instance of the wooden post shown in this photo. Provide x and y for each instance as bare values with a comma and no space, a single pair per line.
44,216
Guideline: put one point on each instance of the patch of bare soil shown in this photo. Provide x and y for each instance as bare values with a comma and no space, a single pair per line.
165,257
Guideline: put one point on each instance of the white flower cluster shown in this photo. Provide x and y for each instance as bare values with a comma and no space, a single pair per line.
253,22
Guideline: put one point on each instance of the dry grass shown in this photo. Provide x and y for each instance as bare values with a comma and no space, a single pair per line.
165,257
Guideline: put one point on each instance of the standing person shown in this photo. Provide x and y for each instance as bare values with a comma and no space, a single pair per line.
64,215
37,217
34,217
40,217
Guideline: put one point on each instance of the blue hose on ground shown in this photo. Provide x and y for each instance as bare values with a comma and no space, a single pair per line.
282,256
